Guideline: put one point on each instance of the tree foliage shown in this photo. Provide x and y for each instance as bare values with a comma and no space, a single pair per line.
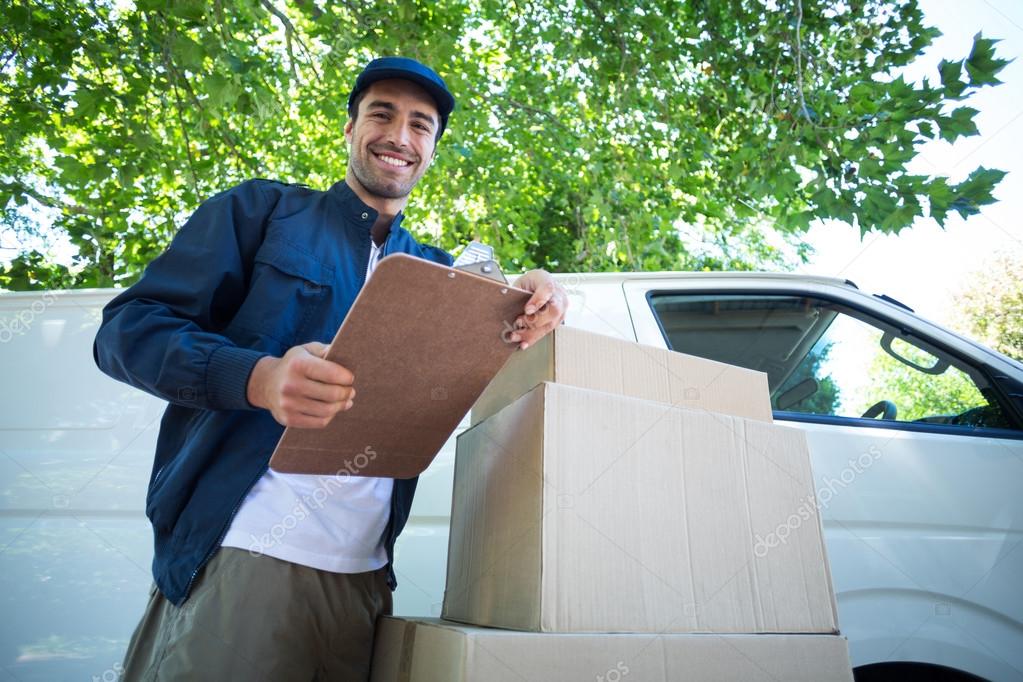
918,395
990,307
824,399
589,134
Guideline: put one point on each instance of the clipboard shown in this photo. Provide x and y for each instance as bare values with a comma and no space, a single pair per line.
423,340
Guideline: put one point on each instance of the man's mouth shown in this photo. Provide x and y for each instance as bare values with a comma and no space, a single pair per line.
393,160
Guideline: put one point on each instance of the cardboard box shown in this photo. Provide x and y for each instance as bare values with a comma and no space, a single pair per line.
581,511
603,363
430,650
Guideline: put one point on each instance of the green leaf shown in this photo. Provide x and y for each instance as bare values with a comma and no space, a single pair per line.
982,65
902,217
191,10
222,90
950,78
187,53
958,124
975,191
940,196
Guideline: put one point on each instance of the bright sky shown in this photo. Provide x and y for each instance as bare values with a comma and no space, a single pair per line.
925,265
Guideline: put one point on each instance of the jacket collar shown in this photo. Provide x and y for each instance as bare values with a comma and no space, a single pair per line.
357,211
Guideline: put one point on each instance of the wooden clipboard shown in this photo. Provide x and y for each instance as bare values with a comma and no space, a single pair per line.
423,341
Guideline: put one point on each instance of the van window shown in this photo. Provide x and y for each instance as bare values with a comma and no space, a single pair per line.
825,358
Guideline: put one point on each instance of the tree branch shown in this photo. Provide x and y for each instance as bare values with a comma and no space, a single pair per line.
799,61
47,201
525,107
289,34
615,34
218,12
225,135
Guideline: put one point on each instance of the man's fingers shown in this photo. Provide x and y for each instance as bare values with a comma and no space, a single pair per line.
546,319
539,298
326,393
315,414
328,372
307,421
527,337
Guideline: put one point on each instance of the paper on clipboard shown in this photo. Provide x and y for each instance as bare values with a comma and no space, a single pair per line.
423,340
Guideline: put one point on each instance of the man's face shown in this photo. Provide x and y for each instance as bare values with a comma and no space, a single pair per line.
392,137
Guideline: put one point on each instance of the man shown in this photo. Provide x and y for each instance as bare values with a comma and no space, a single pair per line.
260,575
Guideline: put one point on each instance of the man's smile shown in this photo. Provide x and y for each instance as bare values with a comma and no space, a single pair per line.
391,159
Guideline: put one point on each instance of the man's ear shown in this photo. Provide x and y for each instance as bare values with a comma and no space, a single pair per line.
348,131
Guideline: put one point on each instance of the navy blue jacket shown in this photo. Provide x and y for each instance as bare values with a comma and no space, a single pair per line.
257,269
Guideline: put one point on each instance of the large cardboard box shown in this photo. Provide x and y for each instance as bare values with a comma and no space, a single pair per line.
579,358
430,650
582,511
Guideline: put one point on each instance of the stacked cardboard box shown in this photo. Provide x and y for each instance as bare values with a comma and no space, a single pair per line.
608,487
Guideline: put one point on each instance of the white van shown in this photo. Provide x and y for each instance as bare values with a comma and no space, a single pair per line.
916,436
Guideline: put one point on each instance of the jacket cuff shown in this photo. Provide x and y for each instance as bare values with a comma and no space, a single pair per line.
227,377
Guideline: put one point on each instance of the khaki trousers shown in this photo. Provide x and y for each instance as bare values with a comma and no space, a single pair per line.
254,617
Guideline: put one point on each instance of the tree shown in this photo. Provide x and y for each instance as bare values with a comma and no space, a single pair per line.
588,134
825,398
918,395
990,307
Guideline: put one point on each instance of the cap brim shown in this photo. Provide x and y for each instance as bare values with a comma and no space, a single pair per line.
444,100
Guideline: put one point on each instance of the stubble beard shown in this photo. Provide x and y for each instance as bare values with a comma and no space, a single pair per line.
375,183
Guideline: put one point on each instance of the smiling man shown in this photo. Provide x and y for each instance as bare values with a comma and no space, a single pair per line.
261,575
380,166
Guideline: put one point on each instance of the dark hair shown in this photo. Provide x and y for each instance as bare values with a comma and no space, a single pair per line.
353,113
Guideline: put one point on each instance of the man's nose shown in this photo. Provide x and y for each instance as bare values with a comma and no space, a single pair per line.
399,132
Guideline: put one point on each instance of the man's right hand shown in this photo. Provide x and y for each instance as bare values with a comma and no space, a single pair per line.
302,388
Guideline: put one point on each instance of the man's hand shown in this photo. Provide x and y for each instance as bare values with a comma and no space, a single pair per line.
544,310
301,389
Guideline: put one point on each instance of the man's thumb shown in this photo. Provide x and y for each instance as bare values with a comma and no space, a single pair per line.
316,348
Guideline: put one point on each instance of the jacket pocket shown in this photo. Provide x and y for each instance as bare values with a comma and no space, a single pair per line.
288,286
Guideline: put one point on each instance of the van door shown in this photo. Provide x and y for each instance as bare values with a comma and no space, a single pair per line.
918,465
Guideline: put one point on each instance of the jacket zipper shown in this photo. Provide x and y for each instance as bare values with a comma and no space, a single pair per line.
223,533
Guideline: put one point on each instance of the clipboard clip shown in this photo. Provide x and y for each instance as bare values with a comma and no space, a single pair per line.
478,258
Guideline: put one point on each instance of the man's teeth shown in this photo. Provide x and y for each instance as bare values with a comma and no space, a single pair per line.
390,160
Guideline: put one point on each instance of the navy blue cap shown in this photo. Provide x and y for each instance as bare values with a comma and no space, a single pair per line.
411,70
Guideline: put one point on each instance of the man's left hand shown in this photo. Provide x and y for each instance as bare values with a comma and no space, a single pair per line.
544,310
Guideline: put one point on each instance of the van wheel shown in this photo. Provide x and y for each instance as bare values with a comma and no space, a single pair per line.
911,672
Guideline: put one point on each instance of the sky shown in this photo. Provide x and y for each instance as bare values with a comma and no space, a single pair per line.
925,265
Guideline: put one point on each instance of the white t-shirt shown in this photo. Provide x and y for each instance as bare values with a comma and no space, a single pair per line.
333,523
